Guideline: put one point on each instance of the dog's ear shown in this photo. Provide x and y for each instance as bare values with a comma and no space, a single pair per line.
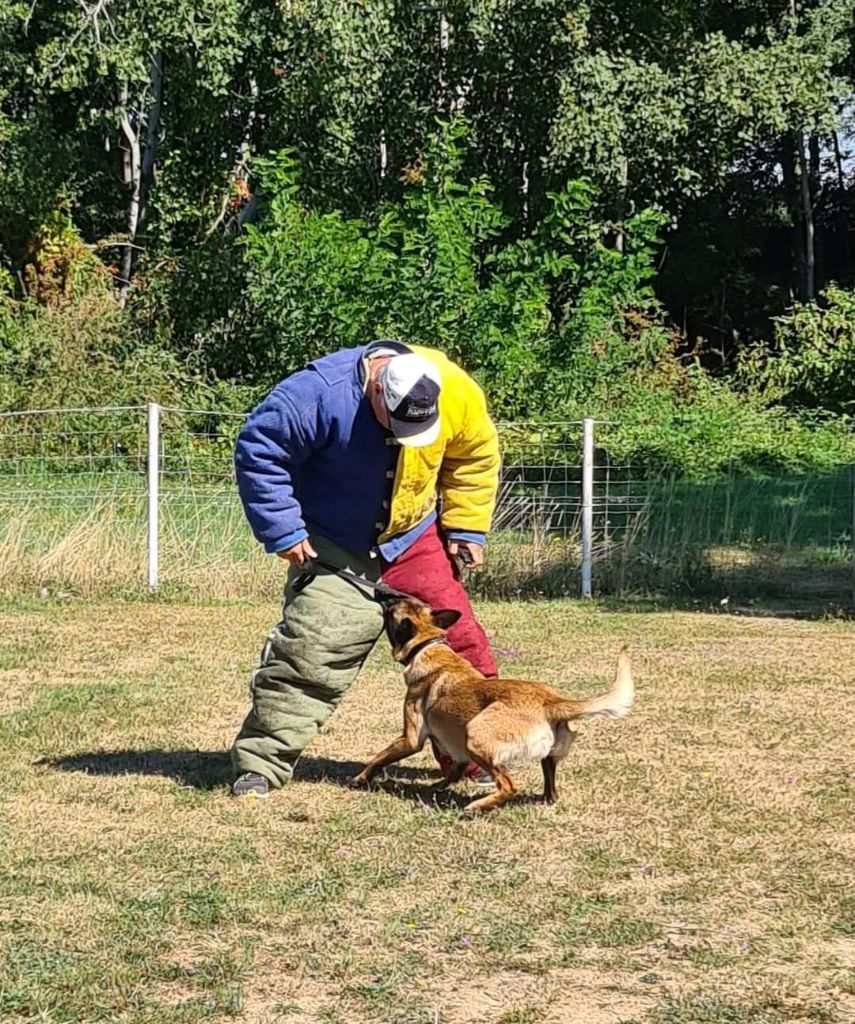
445,617
402,632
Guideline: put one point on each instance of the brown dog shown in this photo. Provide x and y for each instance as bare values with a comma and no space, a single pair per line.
494,722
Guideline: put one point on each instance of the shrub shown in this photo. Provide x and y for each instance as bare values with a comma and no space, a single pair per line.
68,342
812,360
437,268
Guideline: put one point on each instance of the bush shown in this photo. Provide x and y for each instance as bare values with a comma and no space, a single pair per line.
556,326
715,429
437,269
812,360
69,343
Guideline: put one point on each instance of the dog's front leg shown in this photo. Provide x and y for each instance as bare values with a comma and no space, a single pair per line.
400,748
409,742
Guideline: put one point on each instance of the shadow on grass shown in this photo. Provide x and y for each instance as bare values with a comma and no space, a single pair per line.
806,609
210,769
415,785
766,588
201,769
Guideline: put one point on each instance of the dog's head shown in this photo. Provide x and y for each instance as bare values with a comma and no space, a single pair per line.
410,622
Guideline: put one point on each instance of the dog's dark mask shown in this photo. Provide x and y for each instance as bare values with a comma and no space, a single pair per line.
401,630
399,633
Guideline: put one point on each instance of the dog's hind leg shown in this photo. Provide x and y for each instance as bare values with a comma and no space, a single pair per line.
505,789
560,749
550,791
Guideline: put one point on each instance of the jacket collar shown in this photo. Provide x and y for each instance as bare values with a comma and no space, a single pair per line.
398,347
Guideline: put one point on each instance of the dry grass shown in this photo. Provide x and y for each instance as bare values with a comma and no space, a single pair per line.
697,869
96,547
93,544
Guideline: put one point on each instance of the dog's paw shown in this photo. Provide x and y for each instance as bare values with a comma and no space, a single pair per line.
360,781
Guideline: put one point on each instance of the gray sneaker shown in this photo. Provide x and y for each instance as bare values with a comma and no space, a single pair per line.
251,784
484,780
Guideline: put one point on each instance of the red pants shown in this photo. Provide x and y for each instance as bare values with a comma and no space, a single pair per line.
427,571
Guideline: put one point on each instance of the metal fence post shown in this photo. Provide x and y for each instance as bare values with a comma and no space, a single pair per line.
587,503
153,462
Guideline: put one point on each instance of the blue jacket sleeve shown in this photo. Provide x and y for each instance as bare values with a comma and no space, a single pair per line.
470,535
275,441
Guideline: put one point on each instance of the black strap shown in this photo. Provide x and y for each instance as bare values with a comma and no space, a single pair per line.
381,591
430,642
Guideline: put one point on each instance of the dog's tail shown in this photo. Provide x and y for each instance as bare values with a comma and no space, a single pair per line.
615,703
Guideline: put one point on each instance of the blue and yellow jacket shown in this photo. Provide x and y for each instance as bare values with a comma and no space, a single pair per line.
312,458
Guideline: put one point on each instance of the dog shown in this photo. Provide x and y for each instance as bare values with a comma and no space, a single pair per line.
493,722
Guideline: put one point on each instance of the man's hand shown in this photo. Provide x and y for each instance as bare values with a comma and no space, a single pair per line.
470,553
298,554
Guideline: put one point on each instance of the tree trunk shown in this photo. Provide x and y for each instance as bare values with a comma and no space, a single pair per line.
384,154
838,161
127,151
240,171
790,166
139,162
842,209
444,106
620,236
808,227
152,134
816,199
524,190
133,177
802,205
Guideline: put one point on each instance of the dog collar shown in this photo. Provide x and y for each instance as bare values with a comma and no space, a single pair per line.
434,640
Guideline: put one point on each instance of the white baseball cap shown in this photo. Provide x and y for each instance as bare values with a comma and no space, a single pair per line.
411,386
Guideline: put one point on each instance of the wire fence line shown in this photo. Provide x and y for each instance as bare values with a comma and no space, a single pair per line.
124,497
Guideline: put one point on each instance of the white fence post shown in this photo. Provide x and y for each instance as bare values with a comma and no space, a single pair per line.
587,503
153,493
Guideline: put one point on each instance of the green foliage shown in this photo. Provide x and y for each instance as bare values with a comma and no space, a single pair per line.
80,355
705,429
812,361
663,123
556,326
69,343
435,268
429,269
494,238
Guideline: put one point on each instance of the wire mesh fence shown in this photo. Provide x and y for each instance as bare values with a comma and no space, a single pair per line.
75,509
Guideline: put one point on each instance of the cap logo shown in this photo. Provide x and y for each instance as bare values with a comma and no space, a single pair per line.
419,411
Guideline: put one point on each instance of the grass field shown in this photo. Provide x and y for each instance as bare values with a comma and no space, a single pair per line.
697,869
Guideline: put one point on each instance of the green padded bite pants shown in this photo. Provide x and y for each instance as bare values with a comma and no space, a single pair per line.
309,661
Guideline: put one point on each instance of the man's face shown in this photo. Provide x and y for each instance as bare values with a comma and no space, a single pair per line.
374,391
